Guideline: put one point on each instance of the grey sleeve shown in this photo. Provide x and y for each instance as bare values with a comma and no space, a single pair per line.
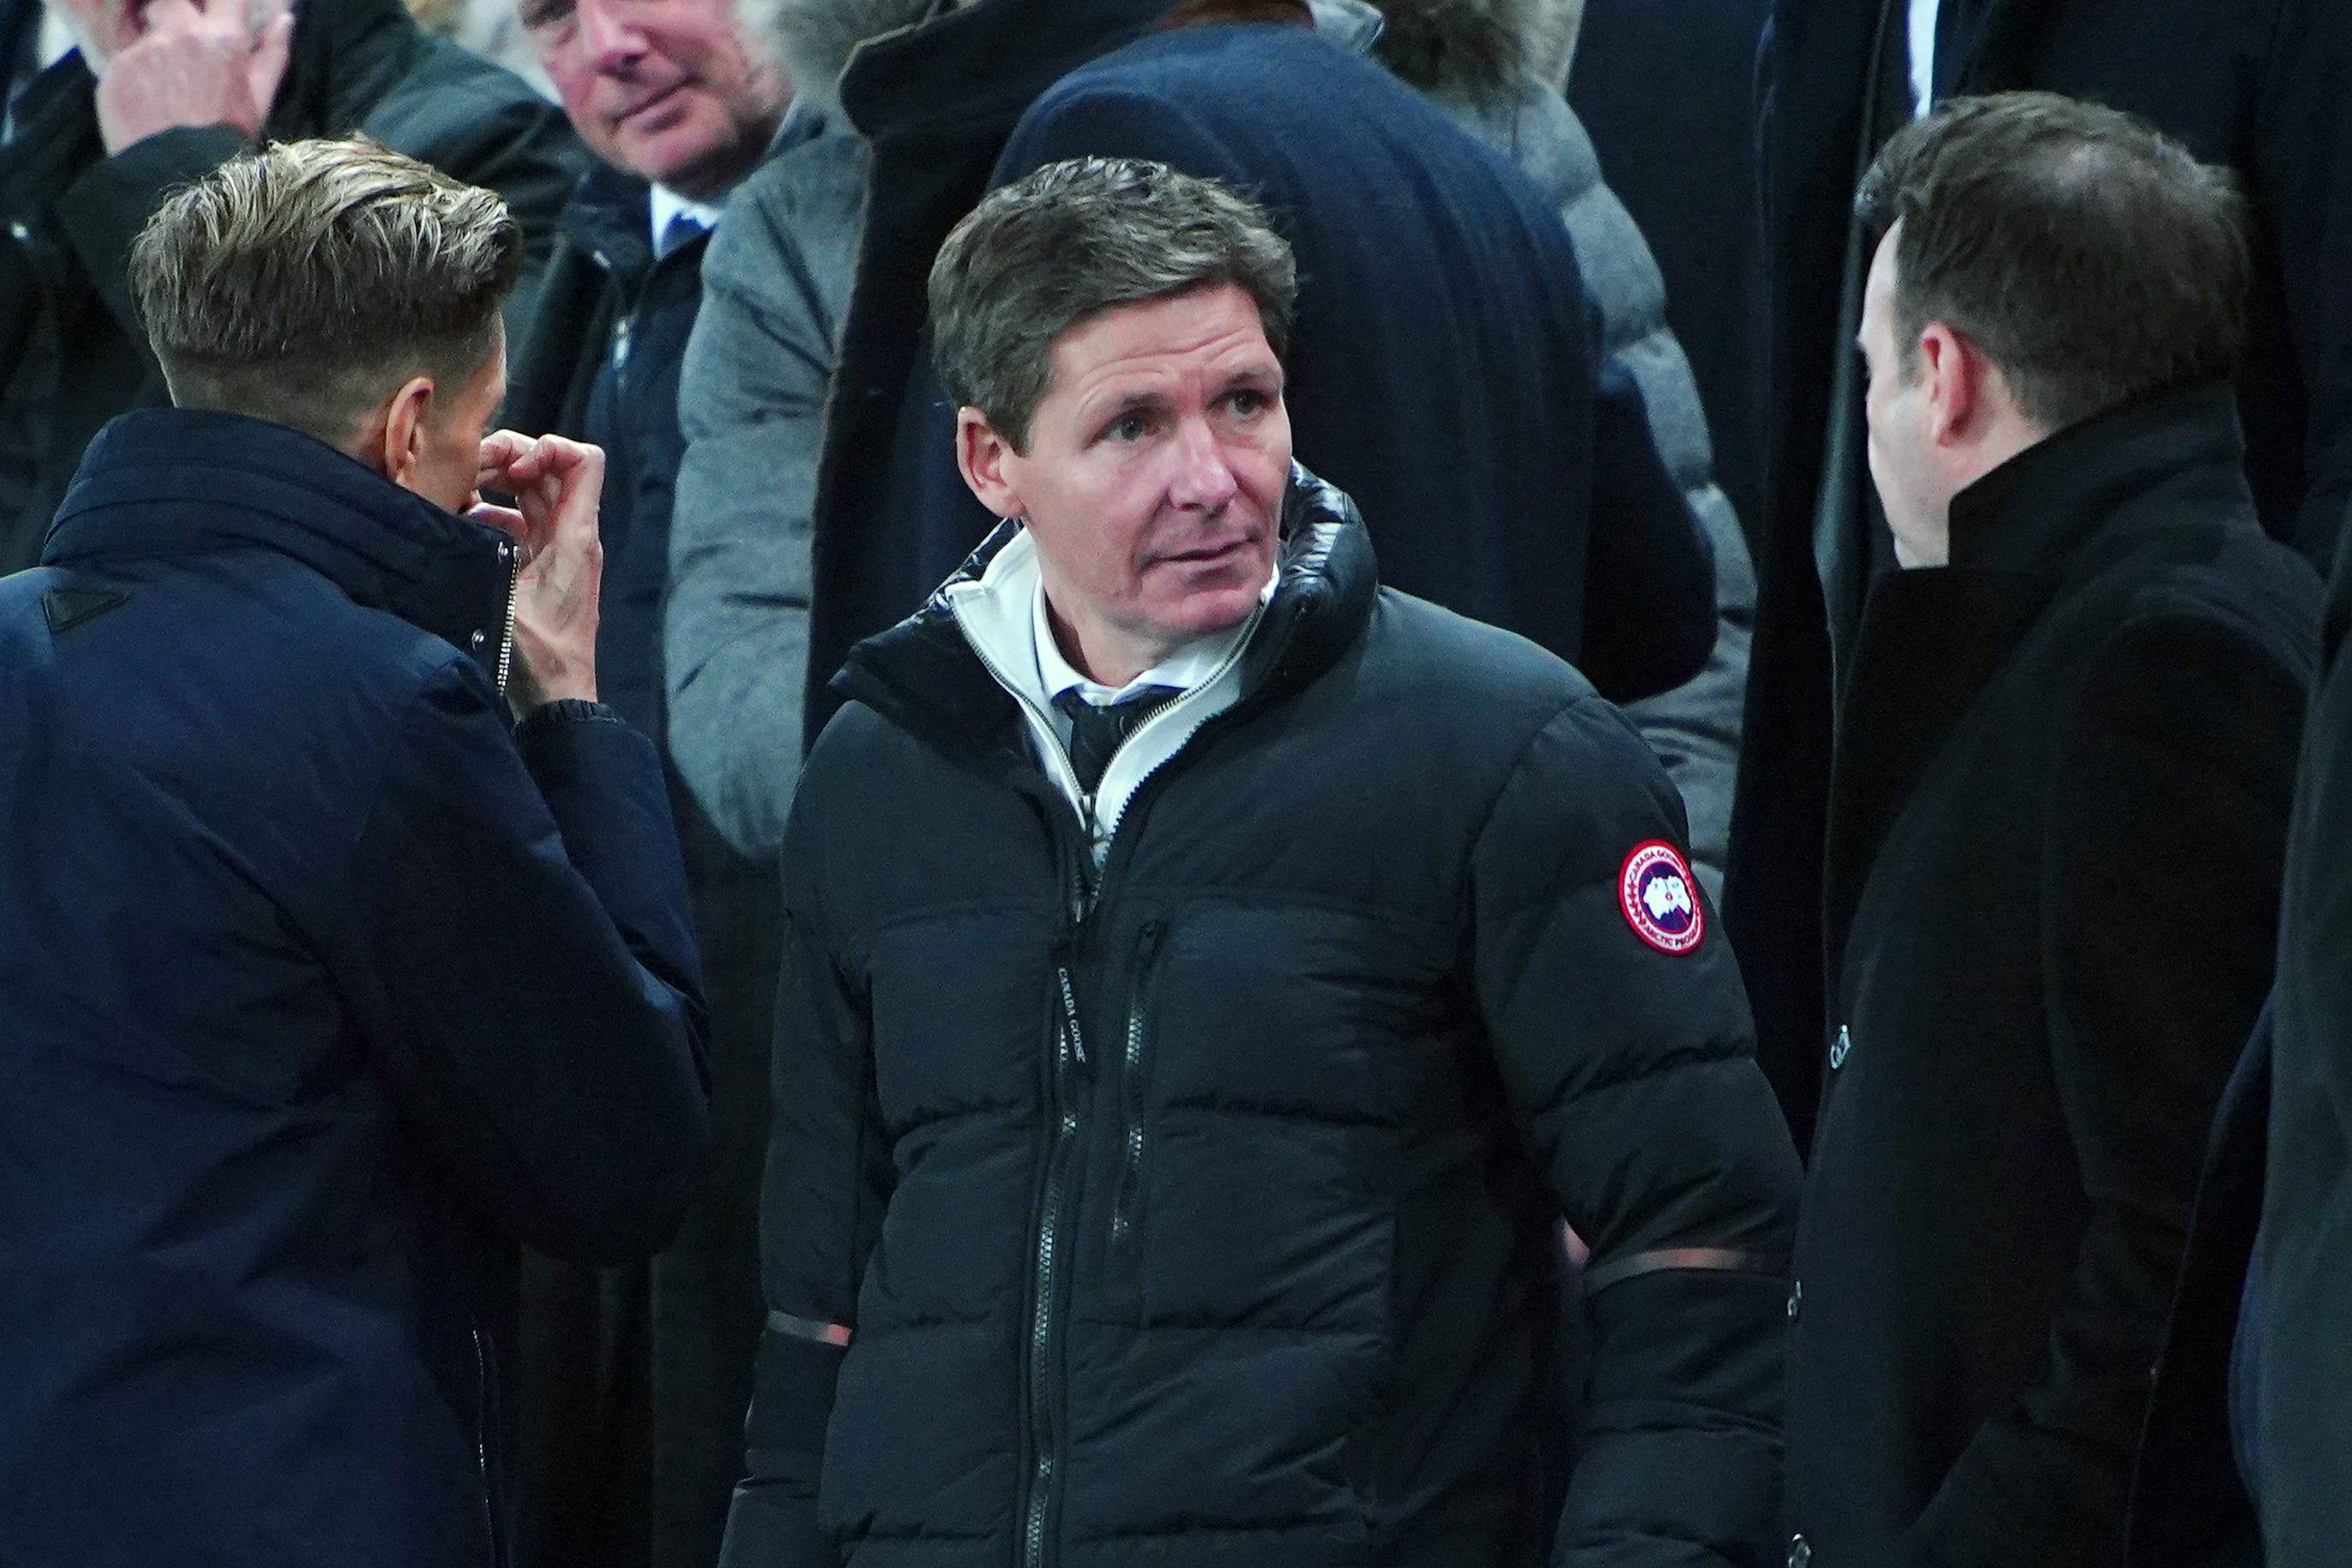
751,397
1694,728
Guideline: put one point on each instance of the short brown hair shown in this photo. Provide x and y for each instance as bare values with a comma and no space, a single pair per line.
1074,240
302,283
2092,259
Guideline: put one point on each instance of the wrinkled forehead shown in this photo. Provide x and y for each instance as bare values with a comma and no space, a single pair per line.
1212,330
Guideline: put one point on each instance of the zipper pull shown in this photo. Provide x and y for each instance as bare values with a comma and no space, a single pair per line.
1070,1015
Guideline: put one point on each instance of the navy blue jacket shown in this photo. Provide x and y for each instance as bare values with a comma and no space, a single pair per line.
314,979
1445,368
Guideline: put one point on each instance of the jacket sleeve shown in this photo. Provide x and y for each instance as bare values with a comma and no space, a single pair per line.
518,952
821,1202
2162,867
1629,1069
1694,727
751,399
102,211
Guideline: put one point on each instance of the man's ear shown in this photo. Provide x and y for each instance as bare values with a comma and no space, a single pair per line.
1956,374
405,418
981,456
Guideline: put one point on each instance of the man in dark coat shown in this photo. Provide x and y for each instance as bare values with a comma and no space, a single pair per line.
2257,87
1446,363
158,95
316,978
632,1383
1211,977
2059,806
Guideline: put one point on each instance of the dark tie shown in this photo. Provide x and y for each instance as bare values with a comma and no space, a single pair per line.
682,228
1096,732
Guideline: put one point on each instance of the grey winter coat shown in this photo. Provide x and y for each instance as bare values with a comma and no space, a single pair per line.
752,396
1493,66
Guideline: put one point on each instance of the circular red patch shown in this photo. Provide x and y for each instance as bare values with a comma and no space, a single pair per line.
1660,898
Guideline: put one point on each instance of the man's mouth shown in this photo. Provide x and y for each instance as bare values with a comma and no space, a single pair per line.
649,105
1208,553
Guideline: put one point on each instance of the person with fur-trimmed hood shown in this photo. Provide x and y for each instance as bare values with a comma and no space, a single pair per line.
1496,66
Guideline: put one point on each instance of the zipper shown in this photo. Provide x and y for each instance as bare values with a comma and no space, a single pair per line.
513,555
1130,1177
1069,1053
482,1445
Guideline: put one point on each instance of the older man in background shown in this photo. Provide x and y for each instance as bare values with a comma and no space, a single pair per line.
156,95
633,1383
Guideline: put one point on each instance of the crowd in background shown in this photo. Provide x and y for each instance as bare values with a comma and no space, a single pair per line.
1579,283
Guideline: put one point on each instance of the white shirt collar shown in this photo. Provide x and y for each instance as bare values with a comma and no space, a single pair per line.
1922,32
1183,669
668,203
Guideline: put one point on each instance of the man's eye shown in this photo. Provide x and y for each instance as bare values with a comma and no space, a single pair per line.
1126,428
1248,402
543,18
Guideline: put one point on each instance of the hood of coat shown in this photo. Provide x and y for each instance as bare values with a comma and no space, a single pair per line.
1479,50
814,39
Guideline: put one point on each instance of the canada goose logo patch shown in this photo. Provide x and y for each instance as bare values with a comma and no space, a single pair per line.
1659,899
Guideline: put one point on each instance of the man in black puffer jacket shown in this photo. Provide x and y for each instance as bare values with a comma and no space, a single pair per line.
1210,979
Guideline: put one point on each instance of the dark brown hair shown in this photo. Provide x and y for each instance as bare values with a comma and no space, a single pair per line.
303,284
1076,238
2090,257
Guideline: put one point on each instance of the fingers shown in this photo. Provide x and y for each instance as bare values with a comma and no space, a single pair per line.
174,16
500,449
561,481
550,455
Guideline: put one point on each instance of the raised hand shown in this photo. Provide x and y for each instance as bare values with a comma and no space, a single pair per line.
557,485
198,62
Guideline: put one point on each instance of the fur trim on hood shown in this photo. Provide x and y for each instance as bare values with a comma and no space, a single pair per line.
814,39
1479,50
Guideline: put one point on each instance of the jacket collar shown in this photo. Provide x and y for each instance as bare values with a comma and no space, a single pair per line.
171,483
923,675
608,217
983,63
2155,459
1352,25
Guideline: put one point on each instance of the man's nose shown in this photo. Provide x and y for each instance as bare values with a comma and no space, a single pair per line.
1203,478
612,38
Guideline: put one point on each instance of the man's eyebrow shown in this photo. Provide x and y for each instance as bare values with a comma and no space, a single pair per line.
1136,402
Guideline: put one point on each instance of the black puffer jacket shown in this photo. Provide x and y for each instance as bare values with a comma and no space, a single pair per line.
1218,1223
